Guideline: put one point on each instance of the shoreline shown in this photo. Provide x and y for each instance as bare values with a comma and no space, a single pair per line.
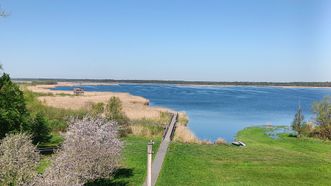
135,107
63,82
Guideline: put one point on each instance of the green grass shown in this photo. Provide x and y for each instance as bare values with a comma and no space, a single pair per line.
133,166
43,164
56,140
265,161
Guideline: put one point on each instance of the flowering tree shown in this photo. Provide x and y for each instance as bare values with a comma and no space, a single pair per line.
91,150
18,159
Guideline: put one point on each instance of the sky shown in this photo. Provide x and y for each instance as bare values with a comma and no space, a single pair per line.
207,40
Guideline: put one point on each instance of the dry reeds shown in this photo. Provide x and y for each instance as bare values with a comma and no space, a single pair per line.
139,130
220,141
185,135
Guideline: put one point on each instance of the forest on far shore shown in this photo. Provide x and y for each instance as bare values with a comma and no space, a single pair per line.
224,83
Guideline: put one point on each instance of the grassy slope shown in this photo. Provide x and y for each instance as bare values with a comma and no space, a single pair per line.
265,161
133,169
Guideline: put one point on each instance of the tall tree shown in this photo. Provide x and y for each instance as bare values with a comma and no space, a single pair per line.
13,112
298,122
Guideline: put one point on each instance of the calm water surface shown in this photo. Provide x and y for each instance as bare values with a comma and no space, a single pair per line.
217,111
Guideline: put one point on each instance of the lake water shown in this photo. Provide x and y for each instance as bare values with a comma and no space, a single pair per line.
218,111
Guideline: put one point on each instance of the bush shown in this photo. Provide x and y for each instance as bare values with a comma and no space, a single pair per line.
114,112
97,109
39,129
322,110
307,129
91,150
18,160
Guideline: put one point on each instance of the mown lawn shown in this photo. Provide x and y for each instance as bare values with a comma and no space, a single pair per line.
133,167
265,161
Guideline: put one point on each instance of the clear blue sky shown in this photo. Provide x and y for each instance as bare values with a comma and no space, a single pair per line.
233,40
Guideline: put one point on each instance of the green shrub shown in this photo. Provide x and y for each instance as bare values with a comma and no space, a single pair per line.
307,129
114,112
97,109
322,110
13,112
39,129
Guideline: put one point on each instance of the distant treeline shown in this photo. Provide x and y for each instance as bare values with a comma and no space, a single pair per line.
238,83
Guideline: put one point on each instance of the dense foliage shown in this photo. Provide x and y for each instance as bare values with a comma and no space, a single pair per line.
97,109
91,150
18,160
323,118
39,129
114,112
14,115
13,112
320,127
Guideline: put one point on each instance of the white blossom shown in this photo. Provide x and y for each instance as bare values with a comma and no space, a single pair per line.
91,150
18,159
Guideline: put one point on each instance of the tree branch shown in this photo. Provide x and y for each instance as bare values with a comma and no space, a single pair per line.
3,13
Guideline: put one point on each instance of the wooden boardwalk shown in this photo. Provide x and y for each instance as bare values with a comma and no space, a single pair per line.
161,153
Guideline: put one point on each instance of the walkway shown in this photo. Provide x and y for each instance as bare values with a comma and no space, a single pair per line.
161,153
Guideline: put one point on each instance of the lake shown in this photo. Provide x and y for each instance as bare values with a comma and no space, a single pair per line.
221,111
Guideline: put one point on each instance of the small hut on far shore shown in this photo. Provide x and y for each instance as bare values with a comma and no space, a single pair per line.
78,91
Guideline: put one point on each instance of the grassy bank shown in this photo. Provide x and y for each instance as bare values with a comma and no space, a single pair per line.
265,161
133,166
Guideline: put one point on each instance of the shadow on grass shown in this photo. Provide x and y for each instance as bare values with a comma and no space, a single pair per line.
116,180
291,135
